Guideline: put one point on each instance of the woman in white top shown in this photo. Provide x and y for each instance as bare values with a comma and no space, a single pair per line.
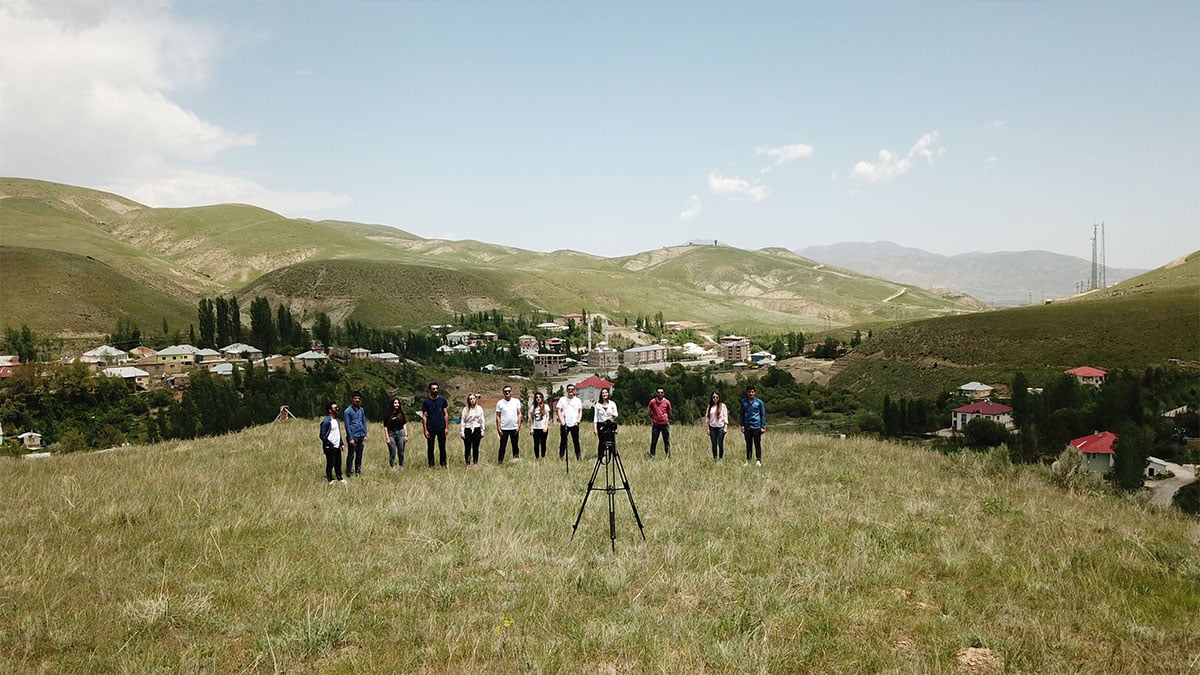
605,410
471,424
539,424
718,419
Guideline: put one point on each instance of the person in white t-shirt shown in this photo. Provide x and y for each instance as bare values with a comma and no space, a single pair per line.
508,423
569,410
539,424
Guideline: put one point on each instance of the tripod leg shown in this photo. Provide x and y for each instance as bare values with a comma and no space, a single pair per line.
610,477
586,494
629,493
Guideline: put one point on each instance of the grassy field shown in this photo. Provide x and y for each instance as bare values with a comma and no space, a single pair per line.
232,554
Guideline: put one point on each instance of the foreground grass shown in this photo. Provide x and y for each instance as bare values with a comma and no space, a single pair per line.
233,554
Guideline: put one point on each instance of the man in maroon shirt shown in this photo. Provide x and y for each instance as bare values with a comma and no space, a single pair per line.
660,417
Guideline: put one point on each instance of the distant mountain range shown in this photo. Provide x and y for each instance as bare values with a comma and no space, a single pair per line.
1002,279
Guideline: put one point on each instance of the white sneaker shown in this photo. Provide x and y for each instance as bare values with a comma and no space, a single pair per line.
342,481
758,464
747,463
332,482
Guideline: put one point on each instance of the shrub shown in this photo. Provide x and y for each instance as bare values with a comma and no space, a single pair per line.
1187,499
71,441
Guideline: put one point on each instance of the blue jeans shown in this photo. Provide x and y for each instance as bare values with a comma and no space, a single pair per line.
396,447
665,431
354,452
717,436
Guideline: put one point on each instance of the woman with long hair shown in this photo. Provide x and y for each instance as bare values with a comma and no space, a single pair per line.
604,412
718,420
471,424
539,424
397,434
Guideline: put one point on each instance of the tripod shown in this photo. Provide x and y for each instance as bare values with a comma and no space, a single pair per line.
611,461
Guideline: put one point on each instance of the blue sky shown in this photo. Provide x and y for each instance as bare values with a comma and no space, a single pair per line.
620,127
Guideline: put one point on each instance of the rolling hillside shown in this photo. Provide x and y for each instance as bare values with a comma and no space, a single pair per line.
385,276
1146,320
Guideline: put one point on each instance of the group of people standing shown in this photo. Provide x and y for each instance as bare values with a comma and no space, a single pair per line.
567,410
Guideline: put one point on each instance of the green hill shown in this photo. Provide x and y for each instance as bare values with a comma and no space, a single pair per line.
1146,320
244,250
232,554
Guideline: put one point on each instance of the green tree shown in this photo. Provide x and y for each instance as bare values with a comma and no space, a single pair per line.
206,318
323,329
222,325
262,325
1131,449
984,433
1022,403
235,320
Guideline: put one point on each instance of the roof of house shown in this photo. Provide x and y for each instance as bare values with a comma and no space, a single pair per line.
983,408
1086,371
360,350
1100,442
125,372
208,352
105,350
976,386
647,348
238,348
179,350
385,355
594,382
311,355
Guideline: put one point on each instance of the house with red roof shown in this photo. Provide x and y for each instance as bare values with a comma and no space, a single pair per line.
589,390
1088,375
1000,414
1098,452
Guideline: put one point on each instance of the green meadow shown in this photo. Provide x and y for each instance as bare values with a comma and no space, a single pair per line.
232,554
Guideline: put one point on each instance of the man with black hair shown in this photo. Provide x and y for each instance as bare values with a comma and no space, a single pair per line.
356,434
754,425
435,420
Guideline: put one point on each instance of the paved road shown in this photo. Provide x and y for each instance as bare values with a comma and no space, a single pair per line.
1163,491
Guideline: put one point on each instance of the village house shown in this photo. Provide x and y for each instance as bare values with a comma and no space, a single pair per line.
182,354
1097,449
1156,467
104,354
141,352
310,359
636,356
1088,375
273,362
385,357
1000,414
551,326
224,369
238,350
458,337
360,354
528,345
589,390
975,390
555,345
31,440
138,377
207,355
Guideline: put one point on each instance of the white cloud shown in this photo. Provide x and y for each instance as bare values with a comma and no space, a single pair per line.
990,162
89,95
997,125
693,208
736,188
784,153
193,188
891,165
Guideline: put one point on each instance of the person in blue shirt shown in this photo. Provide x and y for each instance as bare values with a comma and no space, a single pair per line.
435,420
331,442
356,434
754,425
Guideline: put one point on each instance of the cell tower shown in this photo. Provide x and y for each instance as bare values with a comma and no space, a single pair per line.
1099,268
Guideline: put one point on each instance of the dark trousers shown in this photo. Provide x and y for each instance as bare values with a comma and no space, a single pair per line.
717,436
354,450
506,434
333,462
665,431
539,442
562,441
438,435
753,444
471,439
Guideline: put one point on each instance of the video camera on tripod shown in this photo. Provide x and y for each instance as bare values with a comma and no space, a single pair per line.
607,431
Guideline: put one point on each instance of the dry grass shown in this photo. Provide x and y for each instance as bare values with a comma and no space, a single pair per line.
232,554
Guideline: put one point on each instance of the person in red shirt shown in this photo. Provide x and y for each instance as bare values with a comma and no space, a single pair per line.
660,417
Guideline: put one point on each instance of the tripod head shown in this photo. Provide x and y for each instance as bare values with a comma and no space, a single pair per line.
607,431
